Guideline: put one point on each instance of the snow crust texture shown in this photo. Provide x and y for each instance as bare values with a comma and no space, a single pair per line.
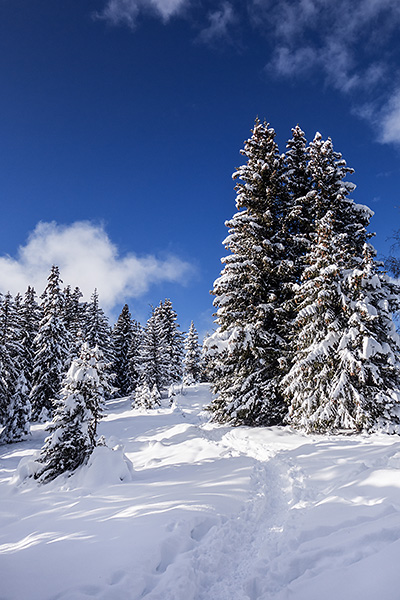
177,508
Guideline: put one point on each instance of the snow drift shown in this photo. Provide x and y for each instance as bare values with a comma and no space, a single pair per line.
177,508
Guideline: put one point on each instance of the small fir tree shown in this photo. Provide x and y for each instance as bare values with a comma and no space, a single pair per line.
146,397
192,360
73,430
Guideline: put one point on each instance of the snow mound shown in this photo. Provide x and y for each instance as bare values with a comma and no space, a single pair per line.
27,467
106,466
205,512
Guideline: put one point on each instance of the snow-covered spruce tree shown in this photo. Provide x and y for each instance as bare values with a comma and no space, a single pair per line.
146,397
248,295
134,364
345,371
299,219
121,336
30,318
369,349
192,360
151,355
51,349
14,401
73,430
97,331
298,225
74,319
171,343
318,324
155,396
16,425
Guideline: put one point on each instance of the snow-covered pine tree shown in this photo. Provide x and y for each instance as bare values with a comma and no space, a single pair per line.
299,221
146,397
318,324
171,343
369,349
247,345
74,319
122,339
79,408
192,360
151,356
155,396
30,318
134,364
345,371
97,331
298,225
51,349
14,402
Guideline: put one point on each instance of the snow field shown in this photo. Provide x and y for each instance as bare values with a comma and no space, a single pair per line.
187,510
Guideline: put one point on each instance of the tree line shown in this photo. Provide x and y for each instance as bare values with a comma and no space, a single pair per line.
40,340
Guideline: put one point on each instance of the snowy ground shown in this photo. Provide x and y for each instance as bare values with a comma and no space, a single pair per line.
209,513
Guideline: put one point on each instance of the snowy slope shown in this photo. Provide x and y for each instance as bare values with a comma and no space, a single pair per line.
208,513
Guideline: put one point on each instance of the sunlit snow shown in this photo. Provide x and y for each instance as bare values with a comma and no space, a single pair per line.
177,508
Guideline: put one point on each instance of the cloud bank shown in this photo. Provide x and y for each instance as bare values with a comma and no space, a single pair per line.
87,258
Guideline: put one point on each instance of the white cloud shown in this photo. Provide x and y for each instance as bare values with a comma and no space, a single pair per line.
219,22
288,62
391,120
349,43
87,258
126,12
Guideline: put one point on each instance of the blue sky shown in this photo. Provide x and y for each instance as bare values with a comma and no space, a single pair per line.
121,123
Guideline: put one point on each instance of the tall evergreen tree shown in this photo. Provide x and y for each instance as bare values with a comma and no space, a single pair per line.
14,402
171,343
30,318
74,319
345,370
192,360
299,220
248,295
122,339
51,349
134,353
151,355
97,329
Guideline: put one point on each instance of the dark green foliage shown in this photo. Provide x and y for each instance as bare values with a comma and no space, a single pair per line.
245,363
122,340
304,312
51,349
192,360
